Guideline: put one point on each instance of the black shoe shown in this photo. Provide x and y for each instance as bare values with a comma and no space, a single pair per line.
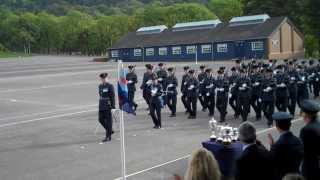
191,117
112,132
211,115
135,106
106,139
172,115
222,120
155,127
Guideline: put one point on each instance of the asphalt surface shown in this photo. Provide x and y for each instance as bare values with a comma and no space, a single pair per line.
49,129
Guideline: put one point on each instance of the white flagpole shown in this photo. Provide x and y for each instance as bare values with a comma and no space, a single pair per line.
196,55
122,147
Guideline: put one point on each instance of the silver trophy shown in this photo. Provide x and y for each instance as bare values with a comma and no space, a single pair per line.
213,127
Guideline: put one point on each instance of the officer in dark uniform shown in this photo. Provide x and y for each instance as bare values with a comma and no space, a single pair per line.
244,94
209,93
310,136
222,86
233,78
313,78
256,82
106,103
201,96
282,92
268,95
292,87
146,84
183,88
132,79
156,102
171,91
192,93
302,85
287,151
162,79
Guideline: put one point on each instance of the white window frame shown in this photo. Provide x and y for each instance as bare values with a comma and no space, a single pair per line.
115,53
257,46
149,51
163,51
176,50
137,52
222,48
191,49
206,49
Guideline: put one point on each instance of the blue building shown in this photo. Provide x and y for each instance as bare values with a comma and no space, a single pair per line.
259,37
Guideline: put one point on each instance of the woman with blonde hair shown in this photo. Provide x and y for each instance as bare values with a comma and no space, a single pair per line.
203,166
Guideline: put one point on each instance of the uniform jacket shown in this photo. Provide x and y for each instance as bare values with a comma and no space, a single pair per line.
209,86
201,78
106,97
147,77
172,80
268,95
192,87
244,92
184,81
132,79
157,89
287,153
162,77
222,86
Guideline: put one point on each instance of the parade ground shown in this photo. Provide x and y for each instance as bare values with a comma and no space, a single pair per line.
49,124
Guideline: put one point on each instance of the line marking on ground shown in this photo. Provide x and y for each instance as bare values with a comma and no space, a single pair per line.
187,156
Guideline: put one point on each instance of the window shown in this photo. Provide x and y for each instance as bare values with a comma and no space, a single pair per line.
206,48
149,52
163,51
176,50
137,52
191,49
257,46
114,53
221,48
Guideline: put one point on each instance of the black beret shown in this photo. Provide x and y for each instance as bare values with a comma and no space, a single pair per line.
191,71
254,61
220,71
149,66
303,62
186,67
318,60
269,70
208,70
238,61
170,69
285,60
233,69
131,66
270,60
282,117
290,62
160,64
242,71
310,106
222,67
103,75
202,66
311,62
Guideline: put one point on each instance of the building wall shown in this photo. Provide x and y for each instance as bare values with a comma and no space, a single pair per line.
285,43
238,49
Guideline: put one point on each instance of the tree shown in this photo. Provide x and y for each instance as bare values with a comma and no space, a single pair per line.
226,9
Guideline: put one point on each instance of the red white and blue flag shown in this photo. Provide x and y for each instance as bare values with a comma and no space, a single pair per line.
124,103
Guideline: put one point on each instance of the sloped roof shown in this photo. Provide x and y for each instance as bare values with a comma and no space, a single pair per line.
223,32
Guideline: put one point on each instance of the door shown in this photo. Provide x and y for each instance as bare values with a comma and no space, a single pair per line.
240,49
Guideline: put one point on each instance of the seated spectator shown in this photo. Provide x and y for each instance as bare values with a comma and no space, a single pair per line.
293,177
203,166
287,151
254,162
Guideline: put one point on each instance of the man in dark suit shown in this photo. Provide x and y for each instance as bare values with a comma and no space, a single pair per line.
287,151
255,162
310,136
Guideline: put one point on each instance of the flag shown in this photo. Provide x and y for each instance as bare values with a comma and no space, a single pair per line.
124,103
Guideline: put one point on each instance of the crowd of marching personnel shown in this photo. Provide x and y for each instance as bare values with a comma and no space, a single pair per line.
264,86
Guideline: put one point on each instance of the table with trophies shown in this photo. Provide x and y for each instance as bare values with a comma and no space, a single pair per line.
224,145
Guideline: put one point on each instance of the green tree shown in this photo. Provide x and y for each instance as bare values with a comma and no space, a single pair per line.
226,9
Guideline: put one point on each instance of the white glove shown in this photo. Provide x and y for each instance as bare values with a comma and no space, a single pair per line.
149,82
170,85
208,94
230,95
260,100
160,79
130,81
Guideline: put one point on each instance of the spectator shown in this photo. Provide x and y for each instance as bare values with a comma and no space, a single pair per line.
310,136
254,162
293,177
287,151
203,166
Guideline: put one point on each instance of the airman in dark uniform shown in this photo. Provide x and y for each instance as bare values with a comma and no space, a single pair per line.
106,103
244,94
293,89
201,96
132,79
310,136
156,102
162,79
171,91
302,85
209,92
233,78
146,84
184,88
256,82
192,94
268,95
222,86
282,92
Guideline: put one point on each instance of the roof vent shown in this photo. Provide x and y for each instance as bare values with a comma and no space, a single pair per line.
152,29
247,20
196,25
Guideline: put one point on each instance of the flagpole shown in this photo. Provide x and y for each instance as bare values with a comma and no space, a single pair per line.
122,146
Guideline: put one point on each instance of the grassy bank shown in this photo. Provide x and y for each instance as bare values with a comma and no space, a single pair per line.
12,54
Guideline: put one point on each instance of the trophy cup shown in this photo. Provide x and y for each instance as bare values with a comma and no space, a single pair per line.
213,128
